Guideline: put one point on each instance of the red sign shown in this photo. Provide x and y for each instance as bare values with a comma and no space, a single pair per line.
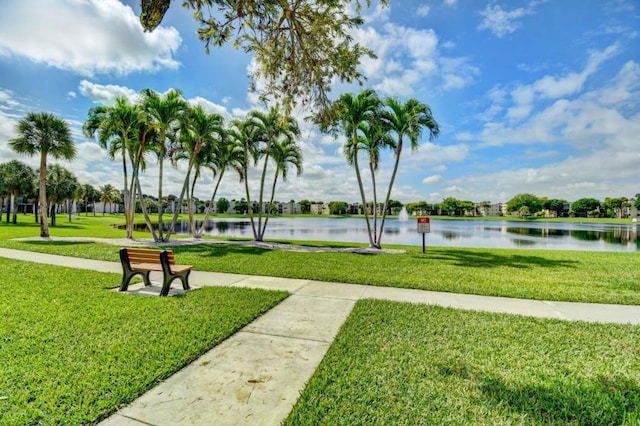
424,225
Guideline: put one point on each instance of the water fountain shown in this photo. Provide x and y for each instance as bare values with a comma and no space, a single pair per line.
403,216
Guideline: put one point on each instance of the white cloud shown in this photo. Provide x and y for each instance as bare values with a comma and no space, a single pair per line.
84,36
429,180
502,22
423,10
450,2
106,94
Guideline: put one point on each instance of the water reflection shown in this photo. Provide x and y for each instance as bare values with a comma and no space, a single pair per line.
459,233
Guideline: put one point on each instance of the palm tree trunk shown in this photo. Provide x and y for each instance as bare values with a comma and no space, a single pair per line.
9,206
15,209
185,185
393,178
44,225
192,222
361,188
208,210
261,195
375,204
246,189
127,201
160,178
143,207
273,193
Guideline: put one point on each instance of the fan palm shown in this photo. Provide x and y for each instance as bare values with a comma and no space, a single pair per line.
48,135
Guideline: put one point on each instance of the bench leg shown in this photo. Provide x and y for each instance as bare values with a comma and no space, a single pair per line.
168,279
127,275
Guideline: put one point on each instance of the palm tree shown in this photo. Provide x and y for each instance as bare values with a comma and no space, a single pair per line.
118,130
46,134
163,112
407,119
267,129
18,179
348,114
198,136
284,152
373,138
106,196
62,186
228,153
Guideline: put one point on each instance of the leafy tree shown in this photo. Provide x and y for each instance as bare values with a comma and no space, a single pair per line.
18,180
394,207
451,204
61,186
45,134
299,46
533,203
636,203
305,206
555,205
585,205
91,195
615,206
222,205
241,206
524,212
338,207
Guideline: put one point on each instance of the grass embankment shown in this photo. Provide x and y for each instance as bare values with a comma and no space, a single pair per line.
396,363
599,277
72,352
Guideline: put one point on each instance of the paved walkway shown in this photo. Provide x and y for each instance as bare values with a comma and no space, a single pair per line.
255,376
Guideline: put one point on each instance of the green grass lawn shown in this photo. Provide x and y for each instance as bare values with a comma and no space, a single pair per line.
395,363
72,351
602,277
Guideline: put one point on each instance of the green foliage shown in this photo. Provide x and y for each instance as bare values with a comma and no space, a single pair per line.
338,207
530,201
222,205
585,205
395,363
305,206
76,355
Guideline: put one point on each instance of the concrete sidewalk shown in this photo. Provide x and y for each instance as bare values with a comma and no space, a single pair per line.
255,376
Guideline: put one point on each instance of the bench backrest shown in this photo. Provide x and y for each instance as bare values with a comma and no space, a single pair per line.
137,255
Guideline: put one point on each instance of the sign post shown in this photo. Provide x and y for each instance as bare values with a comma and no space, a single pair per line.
424,227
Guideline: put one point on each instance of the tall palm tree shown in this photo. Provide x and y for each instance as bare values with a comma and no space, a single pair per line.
107,193
163,112
227,153
199,133
46,134
117,128
407,119
269,128
373,138
284,152
348,114
244,134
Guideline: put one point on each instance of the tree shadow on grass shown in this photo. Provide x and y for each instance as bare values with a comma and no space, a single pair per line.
491,259
218,250
598,401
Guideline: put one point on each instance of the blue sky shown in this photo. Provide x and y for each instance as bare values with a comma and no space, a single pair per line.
531,96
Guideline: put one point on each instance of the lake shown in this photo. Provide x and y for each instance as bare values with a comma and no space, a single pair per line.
449,233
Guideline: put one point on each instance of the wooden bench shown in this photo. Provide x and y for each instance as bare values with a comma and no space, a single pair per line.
143,261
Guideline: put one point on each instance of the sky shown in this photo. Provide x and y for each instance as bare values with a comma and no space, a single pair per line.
537,96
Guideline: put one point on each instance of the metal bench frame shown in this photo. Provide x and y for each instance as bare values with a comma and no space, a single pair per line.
164,263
